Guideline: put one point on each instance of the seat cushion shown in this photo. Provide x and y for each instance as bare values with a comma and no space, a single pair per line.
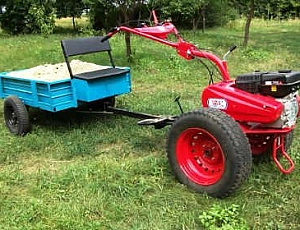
92,75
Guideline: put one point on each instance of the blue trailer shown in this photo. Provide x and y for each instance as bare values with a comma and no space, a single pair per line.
98,85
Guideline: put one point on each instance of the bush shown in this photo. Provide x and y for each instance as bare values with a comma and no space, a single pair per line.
25,17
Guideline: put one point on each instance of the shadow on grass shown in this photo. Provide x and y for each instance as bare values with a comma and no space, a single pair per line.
65,119
83,133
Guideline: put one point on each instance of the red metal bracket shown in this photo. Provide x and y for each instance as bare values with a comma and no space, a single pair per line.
278,144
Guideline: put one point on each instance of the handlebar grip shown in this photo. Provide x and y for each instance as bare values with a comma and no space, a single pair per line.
232,48
110,34
106,37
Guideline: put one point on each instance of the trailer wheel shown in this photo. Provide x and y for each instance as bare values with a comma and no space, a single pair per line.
208,152
16,116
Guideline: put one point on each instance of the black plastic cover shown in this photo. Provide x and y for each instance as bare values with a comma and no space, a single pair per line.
276,84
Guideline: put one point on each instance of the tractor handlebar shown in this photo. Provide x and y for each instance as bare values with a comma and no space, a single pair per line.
110,34
184,49
106,37
232,48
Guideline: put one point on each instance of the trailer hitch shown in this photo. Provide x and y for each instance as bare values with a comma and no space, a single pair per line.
278,147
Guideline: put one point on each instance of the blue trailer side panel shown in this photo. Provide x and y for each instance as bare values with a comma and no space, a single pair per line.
100,88
51,96
56,96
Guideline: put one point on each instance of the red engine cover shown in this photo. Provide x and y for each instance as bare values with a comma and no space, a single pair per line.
240,105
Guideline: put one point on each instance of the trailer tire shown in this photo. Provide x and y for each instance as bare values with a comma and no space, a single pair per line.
208,152
16,116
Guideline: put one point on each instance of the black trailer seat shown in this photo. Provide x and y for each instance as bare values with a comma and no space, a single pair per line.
100,73
88,45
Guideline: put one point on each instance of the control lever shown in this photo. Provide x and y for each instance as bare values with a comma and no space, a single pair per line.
179,104
232,48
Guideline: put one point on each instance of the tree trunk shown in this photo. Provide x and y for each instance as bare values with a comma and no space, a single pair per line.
196,21
127,34
203,19
73,22
128,45
250,15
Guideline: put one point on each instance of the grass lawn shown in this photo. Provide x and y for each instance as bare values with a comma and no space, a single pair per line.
82,171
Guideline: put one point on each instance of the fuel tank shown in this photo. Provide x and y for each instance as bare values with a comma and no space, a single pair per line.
241,105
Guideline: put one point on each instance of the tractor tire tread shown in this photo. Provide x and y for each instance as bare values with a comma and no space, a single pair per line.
238,140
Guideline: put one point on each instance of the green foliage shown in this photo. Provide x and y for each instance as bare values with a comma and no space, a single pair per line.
218,218
196,14
219,13
28,16
269,9
105,14
36,22
88,30
69,8
255,54
97,12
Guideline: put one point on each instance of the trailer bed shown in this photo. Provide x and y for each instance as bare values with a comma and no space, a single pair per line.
49,87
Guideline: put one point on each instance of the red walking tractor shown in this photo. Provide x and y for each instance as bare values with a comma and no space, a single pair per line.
210,150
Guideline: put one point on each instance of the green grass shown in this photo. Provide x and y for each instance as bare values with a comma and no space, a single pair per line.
76,171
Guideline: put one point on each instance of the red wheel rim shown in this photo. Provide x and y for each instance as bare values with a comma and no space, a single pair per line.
260,143
200,156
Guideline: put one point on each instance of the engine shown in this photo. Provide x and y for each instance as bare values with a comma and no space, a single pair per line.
289,113
282,85
264,99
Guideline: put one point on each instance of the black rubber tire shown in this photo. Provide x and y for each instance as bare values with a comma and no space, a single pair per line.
232,140
288,140
16,116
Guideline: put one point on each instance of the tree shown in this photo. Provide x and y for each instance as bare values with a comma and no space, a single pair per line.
249,17
106,13
194,10
198,12
2,4
193,13
246,7
69,8
296,6
28,16
274,8
127,9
